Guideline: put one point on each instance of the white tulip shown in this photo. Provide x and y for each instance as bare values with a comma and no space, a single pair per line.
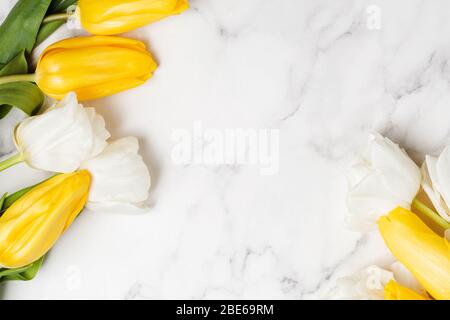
436,182
369,283
120,178
60,139
383,179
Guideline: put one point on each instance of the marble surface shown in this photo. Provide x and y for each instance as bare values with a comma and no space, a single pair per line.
322,74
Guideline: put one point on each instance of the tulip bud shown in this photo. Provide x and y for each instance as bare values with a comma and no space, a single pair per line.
425,254
118,16
93,67
32,225
383,178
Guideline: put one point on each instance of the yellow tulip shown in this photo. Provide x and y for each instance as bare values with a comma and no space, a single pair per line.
394,291
31,226
93,67
425,254
108,17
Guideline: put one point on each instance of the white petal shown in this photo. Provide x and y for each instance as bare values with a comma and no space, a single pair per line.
405,278
400,174
119,175
99,132
431,186
369,200
442,174
62,138
367,284
383,178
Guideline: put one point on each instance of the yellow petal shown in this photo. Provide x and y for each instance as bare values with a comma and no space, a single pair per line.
32,225
93,67
110,17
425,254
394,291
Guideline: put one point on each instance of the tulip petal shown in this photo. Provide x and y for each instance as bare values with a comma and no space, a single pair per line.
93,67
394,291
33,223
406,279
62,138
119,177
425,254
443,174
368,284
114,16
98,131
383,178
431,186
398,171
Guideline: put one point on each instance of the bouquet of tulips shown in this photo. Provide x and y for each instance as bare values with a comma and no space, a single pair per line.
69,140
411,209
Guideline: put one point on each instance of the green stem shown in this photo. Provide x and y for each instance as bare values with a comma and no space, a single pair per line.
55,17
18,77
421,207
15,159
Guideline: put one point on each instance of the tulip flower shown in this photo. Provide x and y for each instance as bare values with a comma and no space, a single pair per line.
120,178
370,283
60,139
118,16
367,284
394,291
383,178
100,17
436,182
92,67
425,254
32,225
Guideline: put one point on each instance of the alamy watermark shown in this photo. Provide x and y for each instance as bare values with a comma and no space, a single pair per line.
73,278
208,146
373,21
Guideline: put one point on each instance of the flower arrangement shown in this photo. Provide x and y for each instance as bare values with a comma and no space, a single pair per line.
409,207
70,140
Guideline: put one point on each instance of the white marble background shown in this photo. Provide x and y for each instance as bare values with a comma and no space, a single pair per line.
323,72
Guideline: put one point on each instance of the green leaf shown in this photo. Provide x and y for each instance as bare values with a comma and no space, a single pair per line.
47,29
32,270
18,65
23,274
17,97
19,31
23,95
2,201
10,199
60,5
57,6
